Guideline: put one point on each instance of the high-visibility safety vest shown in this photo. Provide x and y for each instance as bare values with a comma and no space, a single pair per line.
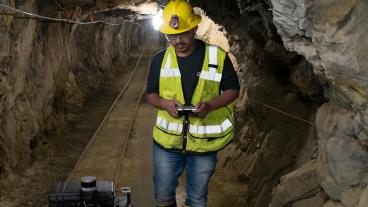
209,134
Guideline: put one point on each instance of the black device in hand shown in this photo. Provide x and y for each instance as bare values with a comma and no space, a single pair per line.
186,110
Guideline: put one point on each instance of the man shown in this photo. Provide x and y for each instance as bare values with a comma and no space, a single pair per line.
189,73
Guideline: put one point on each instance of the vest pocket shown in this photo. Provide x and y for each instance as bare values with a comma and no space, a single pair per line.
212,138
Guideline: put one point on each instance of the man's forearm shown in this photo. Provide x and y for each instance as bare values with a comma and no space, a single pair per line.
168,105
155,100
223,99
203,108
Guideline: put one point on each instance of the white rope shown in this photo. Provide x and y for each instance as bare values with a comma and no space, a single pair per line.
56,19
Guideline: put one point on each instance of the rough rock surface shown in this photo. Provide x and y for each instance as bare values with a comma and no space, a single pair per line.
210,32
45,70
333,204
297,187
343,160
364,198
332,36
315,201
268,143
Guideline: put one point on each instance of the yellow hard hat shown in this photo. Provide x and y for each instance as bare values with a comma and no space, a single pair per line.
178,16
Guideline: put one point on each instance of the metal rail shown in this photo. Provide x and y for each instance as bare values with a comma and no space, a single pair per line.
118,165
106,117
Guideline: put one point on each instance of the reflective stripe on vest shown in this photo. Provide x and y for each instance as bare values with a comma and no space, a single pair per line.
206,75
212,61
172,126
167,71
211,75
194,129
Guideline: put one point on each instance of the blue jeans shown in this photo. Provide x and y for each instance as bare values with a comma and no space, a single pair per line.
169,165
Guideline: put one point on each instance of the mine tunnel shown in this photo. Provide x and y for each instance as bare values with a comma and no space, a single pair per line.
72,99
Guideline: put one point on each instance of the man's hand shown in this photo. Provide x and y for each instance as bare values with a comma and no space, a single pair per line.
228,96
202,109
170,106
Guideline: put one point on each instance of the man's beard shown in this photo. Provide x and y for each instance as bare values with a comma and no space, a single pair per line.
182,47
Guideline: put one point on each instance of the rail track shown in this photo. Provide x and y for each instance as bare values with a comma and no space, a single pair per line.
103,155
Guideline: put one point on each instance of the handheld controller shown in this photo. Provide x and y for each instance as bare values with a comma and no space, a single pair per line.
186,110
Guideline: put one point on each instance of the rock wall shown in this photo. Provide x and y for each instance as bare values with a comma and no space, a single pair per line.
46,68
268,143
297,56
332,36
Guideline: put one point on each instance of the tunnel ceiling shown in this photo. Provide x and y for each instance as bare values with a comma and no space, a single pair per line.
217,8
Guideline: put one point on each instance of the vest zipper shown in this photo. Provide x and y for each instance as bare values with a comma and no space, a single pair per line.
185,134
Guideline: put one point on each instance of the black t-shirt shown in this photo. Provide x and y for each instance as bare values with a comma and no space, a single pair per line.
190,66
